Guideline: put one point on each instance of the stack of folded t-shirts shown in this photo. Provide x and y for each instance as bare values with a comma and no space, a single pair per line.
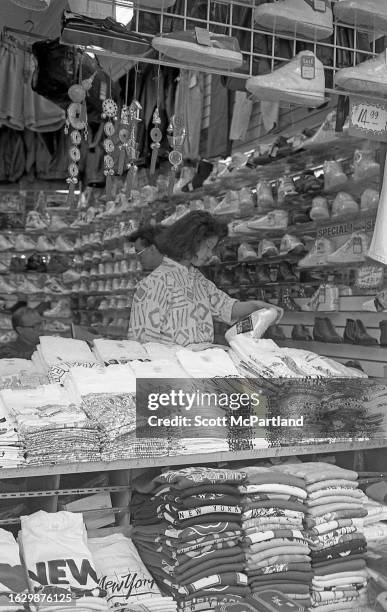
11,447
277,553
17,373
375,531
59,563
13,579
118,351
108,398
58,355
52,427
124,576
337,546
198,558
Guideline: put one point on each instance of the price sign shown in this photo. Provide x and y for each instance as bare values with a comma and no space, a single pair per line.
308,67
368,119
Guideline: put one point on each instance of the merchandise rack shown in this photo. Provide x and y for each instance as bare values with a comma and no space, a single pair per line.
44,485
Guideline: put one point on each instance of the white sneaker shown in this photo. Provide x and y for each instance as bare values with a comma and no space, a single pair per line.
61,309
71,276
246,252
369,77
369,200
275,219
368,14
229,205
352,251
364,165
6,245
24,243
295,17
318,255
286,188
267,248
64,244
343,205
57,223
265,198
334,177
319,210
286,84
35,221
291,244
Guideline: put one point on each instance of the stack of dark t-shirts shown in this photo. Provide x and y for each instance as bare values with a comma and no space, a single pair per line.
333,504
277,554
194,550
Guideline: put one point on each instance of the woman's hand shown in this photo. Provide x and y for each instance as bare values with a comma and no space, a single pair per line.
244,309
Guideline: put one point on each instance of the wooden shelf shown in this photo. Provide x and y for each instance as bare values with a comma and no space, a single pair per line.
200,458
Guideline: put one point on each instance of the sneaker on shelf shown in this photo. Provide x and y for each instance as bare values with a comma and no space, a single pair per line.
93,286
78,243
118,254
318,255
246,252
267,248
334,177
109,286
109,268
24,243
5,244
87,257
7,286
320,209
286,273
295,17
90,215
57,223
288,83
344,205
354,250
76,288
291,245
265,199
116,284
77,260
71,276
286,189
286,301
61,309
101,286
368,14
246,202
124,268
104,305
275,219
44,244
64,244
106,256
35,221
117,267
215,51
369,200
93,272
364,165
132,266
96,257
52,285
369,77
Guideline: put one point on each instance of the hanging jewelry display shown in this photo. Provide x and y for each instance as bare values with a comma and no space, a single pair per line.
123,133
156,134
177,132
77,120
110,114
135,109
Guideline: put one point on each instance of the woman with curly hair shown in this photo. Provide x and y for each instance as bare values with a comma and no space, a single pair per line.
176,303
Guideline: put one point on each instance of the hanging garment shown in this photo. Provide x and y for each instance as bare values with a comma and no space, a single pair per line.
12,155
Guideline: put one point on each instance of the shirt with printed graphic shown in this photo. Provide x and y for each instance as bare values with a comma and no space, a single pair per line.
177,304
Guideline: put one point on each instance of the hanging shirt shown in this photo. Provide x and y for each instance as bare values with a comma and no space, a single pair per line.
177,304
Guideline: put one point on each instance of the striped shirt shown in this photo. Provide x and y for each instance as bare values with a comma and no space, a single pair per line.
176,304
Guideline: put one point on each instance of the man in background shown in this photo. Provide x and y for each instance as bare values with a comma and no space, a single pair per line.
28,324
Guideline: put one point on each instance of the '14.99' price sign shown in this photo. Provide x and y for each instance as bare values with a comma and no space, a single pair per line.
368,119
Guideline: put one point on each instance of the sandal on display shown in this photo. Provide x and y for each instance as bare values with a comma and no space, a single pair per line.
297,18
301,81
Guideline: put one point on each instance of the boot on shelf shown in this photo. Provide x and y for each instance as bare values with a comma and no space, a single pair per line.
324,331
275,332
242,276
301,332
356,333
286,302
